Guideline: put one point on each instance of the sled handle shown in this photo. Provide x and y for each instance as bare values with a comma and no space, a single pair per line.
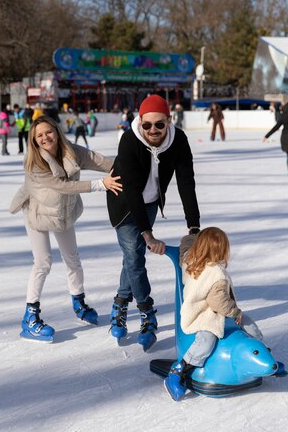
173,253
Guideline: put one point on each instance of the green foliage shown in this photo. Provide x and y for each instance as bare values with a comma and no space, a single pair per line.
238,47
117,35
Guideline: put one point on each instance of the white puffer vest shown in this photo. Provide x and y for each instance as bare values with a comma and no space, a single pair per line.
196,315
58,205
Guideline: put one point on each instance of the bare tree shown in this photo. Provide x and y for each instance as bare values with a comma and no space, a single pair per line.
31,33
32,30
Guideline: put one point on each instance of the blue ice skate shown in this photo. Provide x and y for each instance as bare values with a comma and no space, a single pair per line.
174,383
33,327
147,337
118,318
83,311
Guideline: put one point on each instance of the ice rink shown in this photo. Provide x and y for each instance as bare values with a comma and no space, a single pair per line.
84,382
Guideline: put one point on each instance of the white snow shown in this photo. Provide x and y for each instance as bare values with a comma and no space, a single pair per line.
84,382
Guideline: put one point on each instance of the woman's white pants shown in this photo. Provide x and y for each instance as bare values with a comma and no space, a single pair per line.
42,254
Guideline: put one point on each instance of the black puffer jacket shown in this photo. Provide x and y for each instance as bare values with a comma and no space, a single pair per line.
283,121
133,164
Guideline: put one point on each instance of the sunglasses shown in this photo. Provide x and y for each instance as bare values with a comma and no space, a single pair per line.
158,125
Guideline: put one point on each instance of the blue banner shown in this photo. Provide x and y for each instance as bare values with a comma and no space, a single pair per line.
122,61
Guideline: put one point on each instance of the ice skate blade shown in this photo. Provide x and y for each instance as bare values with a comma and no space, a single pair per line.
122,341
85,323
28,337
175,399
148,346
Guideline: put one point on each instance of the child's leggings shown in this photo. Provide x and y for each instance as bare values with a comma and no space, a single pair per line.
205,341
201,348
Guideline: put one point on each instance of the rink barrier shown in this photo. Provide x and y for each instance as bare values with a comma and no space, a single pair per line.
193,120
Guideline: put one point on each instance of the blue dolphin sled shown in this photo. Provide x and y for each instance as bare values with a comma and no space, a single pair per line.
237,363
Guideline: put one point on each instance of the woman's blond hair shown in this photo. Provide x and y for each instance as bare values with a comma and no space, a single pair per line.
210,246
33,153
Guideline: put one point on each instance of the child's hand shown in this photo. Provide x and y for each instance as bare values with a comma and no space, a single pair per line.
238,319
186,243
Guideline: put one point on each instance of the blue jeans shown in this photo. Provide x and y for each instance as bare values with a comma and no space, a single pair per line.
134,281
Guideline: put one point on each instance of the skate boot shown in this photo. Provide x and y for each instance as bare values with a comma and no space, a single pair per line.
146,336
33,327
118,318
83,311
174,383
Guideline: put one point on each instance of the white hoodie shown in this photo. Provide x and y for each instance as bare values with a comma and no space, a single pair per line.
151,191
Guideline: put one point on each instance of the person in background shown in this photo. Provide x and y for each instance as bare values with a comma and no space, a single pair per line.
123,126
115,109
148,156
22,127
27,116
130,115
4,131
52,111
217,116
208,297
50,198
93,123
38,111
283,121
87,122
69,122
64,108
80,128
8,109
178,116
277,109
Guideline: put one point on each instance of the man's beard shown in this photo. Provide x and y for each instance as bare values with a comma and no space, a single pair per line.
156,143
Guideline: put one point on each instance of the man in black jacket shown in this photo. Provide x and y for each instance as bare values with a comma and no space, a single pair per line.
148,155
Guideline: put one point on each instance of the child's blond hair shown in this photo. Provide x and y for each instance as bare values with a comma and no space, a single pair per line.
210,246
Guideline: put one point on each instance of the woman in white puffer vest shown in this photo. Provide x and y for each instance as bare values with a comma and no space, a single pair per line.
51,202
208,298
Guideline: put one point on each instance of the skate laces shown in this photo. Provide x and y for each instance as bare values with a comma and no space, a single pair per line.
147,323
121,317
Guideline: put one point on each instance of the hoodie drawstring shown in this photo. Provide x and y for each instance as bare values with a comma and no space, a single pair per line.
154,151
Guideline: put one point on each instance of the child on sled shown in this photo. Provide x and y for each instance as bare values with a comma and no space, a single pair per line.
208,298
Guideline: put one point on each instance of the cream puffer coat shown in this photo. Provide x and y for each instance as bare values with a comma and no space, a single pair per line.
207,300
51,198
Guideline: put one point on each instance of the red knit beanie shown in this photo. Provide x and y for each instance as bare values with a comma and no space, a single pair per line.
154,103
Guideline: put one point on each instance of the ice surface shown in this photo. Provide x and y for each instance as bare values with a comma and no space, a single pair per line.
84,382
